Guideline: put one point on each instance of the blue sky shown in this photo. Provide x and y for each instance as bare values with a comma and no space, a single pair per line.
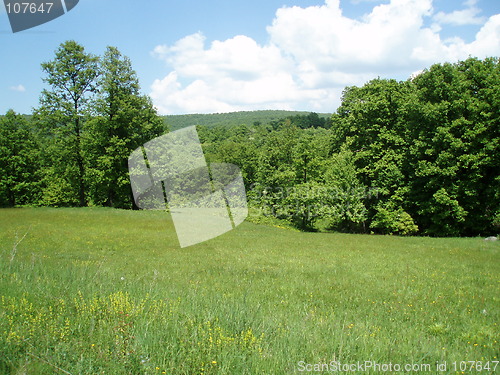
196,56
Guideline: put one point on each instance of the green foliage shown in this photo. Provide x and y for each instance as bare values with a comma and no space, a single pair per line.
231,119
57,191
430,146
414,157
348,194
18,161
455,127
125,120
496,221
88,123
371,124
62,116
390,220
303,205
420,156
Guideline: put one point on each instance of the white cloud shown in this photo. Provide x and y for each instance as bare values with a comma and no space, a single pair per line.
230,75
312,54
18,88
239,57
487,41
322,38
467,16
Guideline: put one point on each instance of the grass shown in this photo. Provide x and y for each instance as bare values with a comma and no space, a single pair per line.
102,291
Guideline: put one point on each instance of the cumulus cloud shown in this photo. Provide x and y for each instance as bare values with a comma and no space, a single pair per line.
320,38
467,16
312,54
235,74
18,88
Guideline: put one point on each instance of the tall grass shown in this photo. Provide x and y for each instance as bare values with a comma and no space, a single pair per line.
102,291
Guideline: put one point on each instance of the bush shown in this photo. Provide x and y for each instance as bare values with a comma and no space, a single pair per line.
394,221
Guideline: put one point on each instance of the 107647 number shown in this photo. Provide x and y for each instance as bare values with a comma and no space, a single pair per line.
474,365
23,8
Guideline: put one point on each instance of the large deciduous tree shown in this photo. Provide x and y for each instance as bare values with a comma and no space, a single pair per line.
124,120
64,110
372,123
455,155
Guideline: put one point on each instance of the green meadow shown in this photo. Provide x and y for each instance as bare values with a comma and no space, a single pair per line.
106,291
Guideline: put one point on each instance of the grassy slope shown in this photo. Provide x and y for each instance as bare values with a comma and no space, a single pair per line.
91,290
230,119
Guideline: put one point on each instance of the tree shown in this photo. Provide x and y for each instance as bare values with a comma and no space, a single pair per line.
303,204
309,153
347,194
62,116
312,120
372,123
275,162
455,155
124,121
335,204
18,161
429,146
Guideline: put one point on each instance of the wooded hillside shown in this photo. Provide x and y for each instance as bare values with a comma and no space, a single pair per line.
175,122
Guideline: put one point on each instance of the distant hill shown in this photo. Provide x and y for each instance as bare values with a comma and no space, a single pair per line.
231,119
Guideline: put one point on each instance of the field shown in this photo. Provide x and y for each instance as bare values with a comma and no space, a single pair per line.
103,291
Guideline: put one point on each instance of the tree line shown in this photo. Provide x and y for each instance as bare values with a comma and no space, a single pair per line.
73,149
404,157
415,157
245,117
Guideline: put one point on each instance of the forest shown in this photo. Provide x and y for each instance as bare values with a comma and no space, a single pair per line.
175,122
414,157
